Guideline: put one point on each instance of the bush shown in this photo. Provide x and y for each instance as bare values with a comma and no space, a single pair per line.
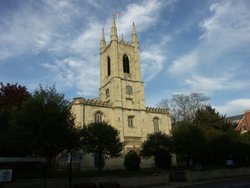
132,161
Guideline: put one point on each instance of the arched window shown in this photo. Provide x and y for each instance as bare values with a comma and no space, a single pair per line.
125,64
108,66
130,121
98,117
156,124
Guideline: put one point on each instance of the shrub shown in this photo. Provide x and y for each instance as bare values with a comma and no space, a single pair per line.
132,161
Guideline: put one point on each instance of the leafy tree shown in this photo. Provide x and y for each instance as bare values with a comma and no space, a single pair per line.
44,125
209,118
189,142
243,152
183,107
132,161
227,144
159,146
222,145
12,97
101,139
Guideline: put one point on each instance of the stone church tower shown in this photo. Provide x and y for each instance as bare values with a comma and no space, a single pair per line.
121,100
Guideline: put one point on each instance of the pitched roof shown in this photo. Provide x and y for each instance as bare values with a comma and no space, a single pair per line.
235,118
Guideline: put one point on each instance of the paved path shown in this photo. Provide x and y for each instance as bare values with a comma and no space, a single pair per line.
234,182
239,182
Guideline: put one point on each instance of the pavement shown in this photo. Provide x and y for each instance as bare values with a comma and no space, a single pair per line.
203,183
64,183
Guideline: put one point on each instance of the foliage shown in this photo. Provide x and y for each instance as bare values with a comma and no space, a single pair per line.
132,161
189,142
158,145
209,139
101,138
209,118
12,97
183,107
224,145
44,125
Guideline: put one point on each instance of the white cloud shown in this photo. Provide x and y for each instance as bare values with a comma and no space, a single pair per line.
71,34
88,40
220,82
228,28
30,30
234,107
153,58
72,72
144,15
184,64
225,32
86,44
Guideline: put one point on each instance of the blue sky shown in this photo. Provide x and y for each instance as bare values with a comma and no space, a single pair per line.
185,46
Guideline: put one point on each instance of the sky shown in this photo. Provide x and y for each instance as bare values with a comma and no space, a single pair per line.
185,46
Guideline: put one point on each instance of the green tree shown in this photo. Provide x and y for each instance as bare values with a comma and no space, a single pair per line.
45,125
224,145
189,142
159,146
208,117
243,154
12,97
101,139
222,140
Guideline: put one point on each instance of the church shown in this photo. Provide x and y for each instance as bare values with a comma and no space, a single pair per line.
121,100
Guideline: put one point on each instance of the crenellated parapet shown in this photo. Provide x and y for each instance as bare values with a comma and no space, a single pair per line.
92,102
157,110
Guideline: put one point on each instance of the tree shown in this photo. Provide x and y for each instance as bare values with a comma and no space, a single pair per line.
44,125
101,139
12,97
224,145
183,107
159,146
209,118
189,142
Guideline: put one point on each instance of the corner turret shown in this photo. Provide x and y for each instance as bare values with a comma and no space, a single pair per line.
113,35
134,36
103,42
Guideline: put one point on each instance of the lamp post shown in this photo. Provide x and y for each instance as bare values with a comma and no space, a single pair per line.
70,169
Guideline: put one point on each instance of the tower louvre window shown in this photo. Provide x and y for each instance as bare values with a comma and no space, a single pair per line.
125,64
108,66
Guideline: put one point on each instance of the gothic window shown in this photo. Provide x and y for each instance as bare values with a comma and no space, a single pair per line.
156,124
108,66
125,64
98,117
130,121
129,90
